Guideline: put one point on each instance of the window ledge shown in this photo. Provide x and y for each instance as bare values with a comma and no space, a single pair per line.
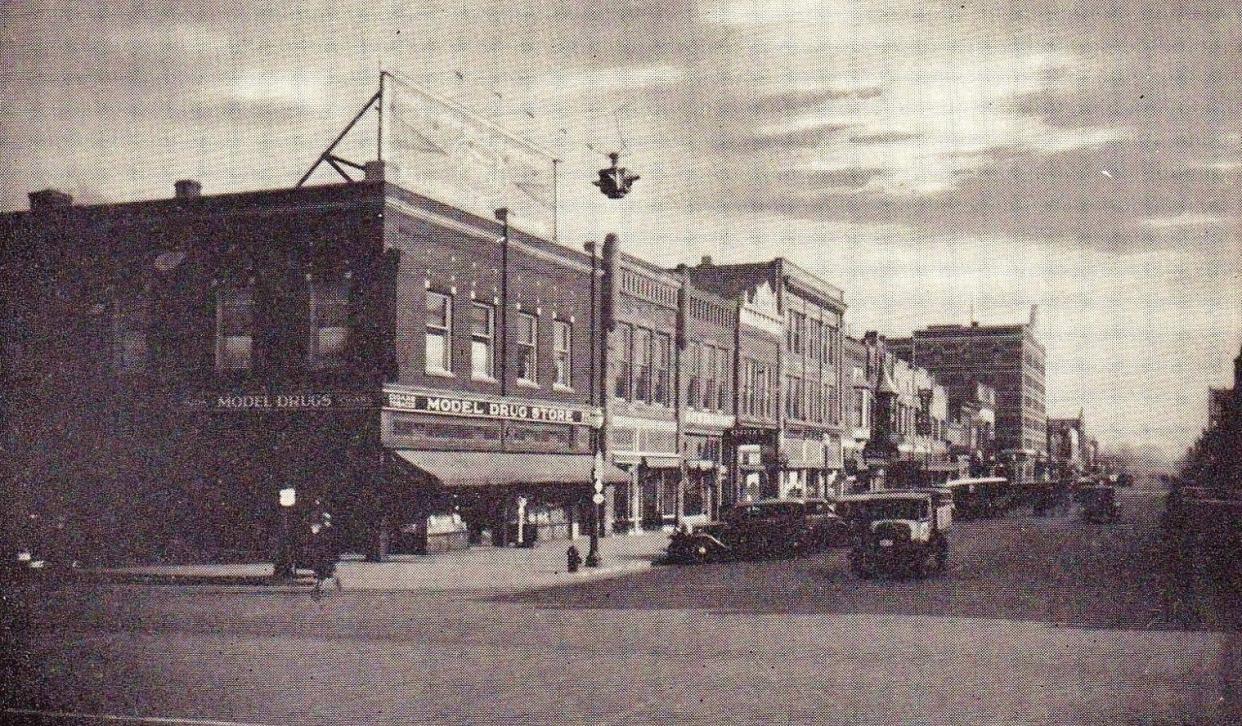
483,378
562,388
527,383
440,373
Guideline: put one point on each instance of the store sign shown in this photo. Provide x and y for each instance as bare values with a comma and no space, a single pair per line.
479,408
280,402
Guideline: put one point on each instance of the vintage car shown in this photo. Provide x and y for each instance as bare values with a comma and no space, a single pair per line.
764,528
1099,503
899,531
979,496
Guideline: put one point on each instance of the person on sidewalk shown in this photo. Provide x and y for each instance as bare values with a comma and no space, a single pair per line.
324,552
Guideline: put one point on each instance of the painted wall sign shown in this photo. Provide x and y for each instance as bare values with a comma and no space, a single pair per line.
480,408
280,402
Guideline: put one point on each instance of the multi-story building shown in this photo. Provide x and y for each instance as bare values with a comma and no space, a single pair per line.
707,349
412,367
643,359
910,431
1068,445
810,366
860,377
1010,359
973,408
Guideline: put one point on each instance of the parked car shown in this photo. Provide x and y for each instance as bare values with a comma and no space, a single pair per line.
765,528
1099,503
899,531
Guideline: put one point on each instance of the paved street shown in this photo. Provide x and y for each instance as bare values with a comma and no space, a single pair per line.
1038,620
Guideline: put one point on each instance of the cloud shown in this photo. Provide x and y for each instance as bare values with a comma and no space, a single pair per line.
853,178
884,137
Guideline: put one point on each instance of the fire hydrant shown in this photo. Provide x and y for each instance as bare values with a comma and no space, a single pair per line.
572,559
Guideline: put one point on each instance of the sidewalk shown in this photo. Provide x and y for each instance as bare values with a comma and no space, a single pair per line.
479,569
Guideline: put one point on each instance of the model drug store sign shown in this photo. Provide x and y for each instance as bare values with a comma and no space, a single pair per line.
479,408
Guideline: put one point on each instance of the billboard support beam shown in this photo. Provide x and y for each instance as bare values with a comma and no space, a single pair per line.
331,159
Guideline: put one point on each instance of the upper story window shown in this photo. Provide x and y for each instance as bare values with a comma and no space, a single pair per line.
562,352
439,340
694,356
642,364
235,327
130,322
622,342
661,364
482,341
528,348
722,377
711,358
329,323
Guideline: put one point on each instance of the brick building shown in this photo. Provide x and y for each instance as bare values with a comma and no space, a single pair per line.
643,434
177,362
706,364
809,370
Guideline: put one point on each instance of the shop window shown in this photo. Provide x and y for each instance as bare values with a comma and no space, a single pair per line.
234,327
661,363
482,341
562,352
439,342
622,354
694,499
528,348
130,323
329,323
642,364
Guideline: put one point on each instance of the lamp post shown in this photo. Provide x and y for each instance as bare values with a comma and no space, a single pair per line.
597,506
283,569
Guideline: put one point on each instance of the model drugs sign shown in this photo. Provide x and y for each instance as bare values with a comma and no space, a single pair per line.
436,148
459,406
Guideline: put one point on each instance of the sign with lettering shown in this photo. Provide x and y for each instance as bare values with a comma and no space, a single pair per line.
259,402
480,408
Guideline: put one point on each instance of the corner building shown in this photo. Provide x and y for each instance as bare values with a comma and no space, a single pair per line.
413,368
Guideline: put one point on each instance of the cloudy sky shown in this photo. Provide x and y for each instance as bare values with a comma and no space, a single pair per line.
930,158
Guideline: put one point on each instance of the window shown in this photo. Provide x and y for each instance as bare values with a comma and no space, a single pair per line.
722,375
528,348
329,323
694,354
235,327
815,345
662,360
642,364
562,346
711,361
130,318
482,340
622,355
797,329
439,345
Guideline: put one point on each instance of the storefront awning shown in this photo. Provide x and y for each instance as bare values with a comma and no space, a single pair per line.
487,468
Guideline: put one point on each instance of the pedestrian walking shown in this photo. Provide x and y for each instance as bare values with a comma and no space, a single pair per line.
323,552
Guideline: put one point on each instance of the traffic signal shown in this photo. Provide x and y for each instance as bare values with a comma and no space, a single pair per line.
615,181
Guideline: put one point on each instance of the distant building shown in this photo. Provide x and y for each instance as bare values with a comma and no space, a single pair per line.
1068,445
1010,359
